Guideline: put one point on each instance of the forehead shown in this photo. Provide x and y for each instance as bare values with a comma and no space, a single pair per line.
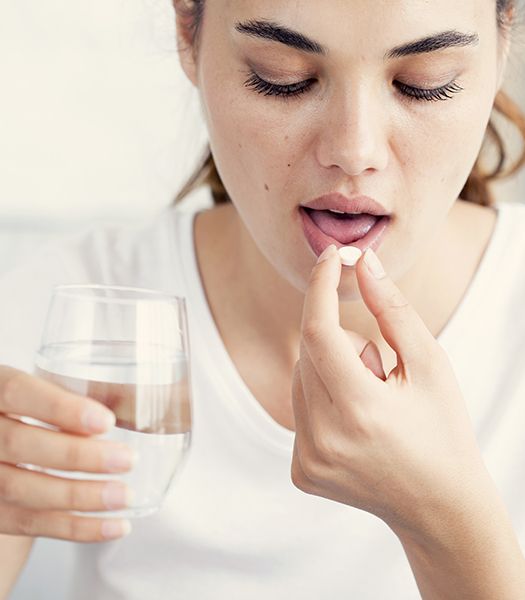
358,12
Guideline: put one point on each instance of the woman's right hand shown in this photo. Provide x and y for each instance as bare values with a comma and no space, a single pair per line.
38,504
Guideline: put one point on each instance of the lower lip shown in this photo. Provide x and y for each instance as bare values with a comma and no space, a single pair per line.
319,241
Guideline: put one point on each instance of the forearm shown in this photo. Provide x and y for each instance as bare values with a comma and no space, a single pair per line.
470,556
14,553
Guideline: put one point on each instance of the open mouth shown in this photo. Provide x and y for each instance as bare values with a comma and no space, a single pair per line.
324,227
343,227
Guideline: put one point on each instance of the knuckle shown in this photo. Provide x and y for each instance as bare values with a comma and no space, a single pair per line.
313,466
297,476
73,456
11,440
364,425
331,454
12,389
300,480
312,332
303,465
8,491
314,471
27,523
317,275
324,447
396,308
54,403
77,529
76,496
396,300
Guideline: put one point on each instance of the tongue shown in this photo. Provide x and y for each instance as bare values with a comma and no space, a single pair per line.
343,228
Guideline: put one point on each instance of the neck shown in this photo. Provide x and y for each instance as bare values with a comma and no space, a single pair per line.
249,295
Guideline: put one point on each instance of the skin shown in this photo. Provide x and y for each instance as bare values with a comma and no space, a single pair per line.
362,436
402,447
352,132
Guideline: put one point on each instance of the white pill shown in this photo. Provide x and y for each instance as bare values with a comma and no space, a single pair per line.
349,255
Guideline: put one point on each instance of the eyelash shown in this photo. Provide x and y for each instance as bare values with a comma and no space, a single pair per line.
296,89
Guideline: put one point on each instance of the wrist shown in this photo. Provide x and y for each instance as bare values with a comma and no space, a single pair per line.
469,552
442,520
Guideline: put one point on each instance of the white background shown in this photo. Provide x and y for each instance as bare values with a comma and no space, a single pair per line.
98,123
96,116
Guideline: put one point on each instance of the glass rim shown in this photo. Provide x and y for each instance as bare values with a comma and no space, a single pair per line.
144,294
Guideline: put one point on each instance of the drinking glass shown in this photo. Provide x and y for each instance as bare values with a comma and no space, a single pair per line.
129,349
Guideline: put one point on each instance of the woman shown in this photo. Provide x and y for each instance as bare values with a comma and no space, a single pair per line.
402,378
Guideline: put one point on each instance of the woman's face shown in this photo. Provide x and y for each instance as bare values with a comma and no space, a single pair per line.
354,130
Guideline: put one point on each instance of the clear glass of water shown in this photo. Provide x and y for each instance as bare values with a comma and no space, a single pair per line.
129,349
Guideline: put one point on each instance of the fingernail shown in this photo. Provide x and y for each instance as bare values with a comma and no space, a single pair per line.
327,253
98,419
116,495
374,264
350,255
115,529
120,459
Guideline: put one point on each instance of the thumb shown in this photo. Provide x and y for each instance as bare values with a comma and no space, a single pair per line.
400,325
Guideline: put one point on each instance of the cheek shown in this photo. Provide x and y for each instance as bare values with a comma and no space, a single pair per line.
432,179
446,140
252,139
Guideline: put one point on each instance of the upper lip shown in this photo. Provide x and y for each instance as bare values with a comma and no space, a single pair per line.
357,204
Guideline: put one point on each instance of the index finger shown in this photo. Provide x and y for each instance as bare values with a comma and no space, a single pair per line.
322,333
25,395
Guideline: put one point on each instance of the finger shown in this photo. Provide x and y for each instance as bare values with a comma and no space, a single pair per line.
327,408
22,443
31,489
303,450
317,398
24,394
122,399
300,407
345,406
400,325
371,358
324,337
299,478
368,352
329,381
322,415
298,403
59,525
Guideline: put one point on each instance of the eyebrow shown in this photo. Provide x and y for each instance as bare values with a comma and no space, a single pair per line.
275,32
270,30
439,41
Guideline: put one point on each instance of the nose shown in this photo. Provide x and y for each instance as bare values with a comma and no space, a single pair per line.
353,133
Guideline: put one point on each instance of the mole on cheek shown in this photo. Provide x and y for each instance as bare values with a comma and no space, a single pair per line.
289,165
266,187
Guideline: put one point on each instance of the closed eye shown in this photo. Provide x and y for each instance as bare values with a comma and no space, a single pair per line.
272,89
441,93
288,91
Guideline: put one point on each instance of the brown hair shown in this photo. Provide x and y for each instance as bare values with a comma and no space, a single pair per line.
477,187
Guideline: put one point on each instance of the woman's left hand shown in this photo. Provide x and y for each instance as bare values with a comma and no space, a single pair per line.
400,447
